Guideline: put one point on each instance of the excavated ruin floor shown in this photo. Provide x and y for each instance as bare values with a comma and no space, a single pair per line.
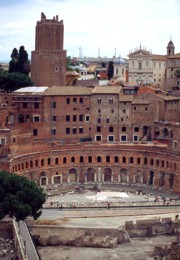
138,249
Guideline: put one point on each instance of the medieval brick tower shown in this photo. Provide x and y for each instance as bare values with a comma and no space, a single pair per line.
48,65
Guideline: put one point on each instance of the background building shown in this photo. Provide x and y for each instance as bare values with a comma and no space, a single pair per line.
146,68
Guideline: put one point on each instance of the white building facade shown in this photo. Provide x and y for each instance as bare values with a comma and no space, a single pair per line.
146,68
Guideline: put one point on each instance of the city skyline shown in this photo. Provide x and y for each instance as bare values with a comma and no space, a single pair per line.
93,28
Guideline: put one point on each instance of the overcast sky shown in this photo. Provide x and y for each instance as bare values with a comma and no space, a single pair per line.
92,24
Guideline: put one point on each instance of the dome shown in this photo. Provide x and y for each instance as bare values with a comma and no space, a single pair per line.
119,61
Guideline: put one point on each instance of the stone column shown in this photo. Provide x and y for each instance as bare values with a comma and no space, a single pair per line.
52,179
119,177
133,178
166,185
100,176
95,177
85,178
78,178
111,177
68,179
148,179
127,178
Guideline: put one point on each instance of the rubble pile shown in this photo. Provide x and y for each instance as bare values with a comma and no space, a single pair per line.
7,250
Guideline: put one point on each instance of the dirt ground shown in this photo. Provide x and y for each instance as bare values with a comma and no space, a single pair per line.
138,249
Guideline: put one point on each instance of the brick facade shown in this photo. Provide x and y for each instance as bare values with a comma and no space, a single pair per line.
53,136
49,59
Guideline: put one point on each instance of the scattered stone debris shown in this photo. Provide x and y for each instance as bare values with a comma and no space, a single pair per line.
171,252
7,250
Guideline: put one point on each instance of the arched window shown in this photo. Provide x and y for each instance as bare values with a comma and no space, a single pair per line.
31,164
108,158
151,162
22,166
116,159
81,160
49,161
167,164
56,160
138,160
162,163
42,162
124,159
131,160
36,163
18,166
99,159
90,159
64,160
145,161
26,165
73,159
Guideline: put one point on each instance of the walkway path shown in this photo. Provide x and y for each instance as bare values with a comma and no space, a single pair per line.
29,246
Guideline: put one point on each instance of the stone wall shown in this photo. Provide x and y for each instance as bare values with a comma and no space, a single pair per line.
6,229
53,235
91,237
152,227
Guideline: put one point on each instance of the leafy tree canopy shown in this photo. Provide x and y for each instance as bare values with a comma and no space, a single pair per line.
14,80
110,70
19,61
68,63
177,74
19,197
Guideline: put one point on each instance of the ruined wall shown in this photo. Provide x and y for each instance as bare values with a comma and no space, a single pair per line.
89,237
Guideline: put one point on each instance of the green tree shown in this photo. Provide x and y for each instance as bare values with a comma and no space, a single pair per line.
13,64
14,80
19,197
68,63
23,63
110,70
177,74
19,61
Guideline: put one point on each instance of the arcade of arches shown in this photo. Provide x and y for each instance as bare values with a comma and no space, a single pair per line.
98,167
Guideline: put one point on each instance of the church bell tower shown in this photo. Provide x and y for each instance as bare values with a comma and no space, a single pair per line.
170,48
48,63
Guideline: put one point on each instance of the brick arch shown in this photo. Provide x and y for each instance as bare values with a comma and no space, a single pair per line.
90,174
138,176
72,175
43,179
124,175
107,174
120,152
